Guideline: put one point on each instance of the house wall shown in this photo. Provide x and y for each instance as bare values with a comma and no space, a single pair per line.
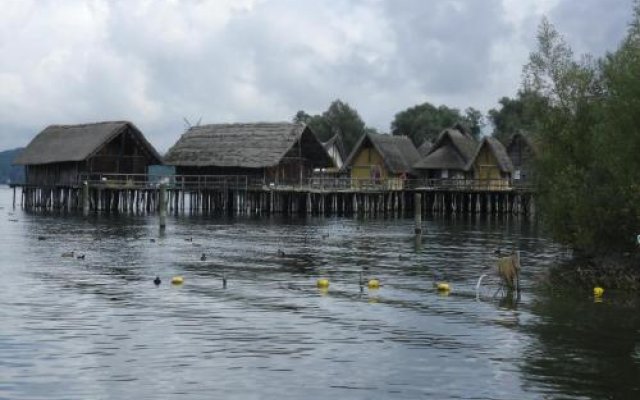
365,164
522,157
124,154
54,174
487,170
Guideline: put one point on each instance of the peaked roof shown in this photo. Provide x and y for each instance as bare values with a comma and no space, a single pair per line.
425,148
398,152
452,150
499,152
64,143
337,141
246,145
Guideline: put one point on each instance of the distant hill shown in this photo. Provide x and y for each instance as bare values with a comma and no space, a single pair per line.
9,173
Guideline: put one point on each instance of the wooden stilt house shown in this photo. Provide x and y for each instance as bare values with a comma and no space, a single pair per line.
335,148
281,153
61,154
491,166
522,152
380,160
449,157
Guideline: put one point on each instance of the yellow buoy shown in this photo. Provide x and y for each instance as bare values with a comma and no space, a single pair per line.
177,280
373,283
598,291
322,283
443,287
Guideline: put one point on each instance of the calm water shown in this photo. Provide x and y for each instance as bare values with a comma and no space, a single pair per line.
99,329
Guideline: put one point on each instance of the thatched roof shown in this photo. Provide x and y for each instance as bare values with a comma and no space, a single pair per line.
499,152
452,150
245,145
65,143
398,152
425,148
337,141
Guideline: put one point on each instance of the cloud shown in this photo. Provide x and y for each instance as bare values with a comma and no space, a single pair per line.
155,62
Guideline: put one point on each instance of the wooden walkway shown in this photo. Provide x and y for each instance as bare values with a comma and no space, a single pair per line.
247,195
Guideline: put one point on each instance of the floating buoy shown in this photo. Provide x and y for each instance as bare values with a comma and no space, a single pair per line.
443,287
373,283
322,283
177,280
598,291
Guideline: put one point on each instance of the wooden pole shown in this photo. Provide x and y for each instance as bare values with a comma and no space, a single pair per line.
162,206
417,210
85,198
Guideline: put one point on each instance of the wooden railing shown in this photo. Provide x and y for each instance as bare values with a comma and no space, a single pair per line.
321,183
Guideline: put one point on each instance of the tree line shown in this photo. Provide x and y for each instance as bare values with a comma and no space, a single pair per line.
424,122
583,115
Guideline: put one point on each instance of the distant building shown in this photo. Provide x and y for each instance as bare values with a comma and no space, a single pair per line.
280,153
379,159
491,165
449,156
60,153
522,152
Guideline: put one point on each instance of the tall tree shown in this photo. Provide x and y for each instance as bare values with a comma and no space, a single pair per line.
340,118
588,169
425,121
517,115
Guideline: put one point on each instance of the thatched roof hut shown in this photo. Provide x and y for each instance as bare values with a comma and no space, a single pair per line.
382,159
497,150
397,152
452,151
280,150
59,153
522,152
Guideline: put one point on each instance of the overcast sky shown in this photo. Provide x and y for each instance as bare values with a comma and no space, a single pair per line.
155,62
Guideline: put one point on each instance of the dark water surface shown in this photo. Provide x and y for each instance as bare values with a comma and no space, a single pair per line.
99,329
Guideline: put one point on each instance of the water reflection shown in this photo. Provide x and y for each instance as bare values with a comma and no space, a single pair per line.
100,328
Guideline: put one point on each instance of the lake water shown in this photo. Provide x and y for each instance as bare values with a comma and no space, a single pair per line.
98,328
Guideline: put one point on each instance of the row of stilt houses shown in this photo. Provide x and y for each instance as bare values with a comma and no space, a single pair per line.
271,168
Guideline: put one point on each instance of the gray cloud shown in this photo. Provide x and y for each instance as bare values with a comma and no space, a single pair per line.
246,60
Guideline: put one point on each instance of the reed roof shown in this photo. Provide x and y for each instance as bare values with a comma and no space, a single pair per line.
246,145
452,150
398,152
499,152
68,143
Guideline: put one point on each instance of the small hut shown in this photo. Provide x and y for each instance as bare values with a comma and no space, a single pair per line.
380,159
522,152
449,156
279,153
491,165
59,154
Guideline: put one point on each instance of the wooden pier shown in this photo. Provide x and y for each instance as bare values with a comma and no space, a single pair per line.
247,195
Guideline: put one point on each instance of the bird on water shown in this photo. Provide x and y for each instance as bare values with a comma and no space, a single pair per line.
203,257
157,281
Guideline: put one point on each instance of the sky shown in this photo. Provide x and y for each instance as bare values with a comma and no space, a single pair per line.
157,63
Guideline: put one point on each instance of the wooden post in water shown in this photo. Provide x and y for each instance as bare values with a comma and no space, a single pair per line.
417,210
85,198
162,206
14,197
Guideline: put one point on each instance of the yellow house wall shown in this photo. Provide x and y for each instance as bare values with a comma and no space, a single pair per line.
363,163
486,168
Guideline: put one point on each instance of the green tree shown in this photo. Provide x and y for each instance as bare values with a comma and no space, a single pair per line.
426,121
519,114
340,118
588,169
